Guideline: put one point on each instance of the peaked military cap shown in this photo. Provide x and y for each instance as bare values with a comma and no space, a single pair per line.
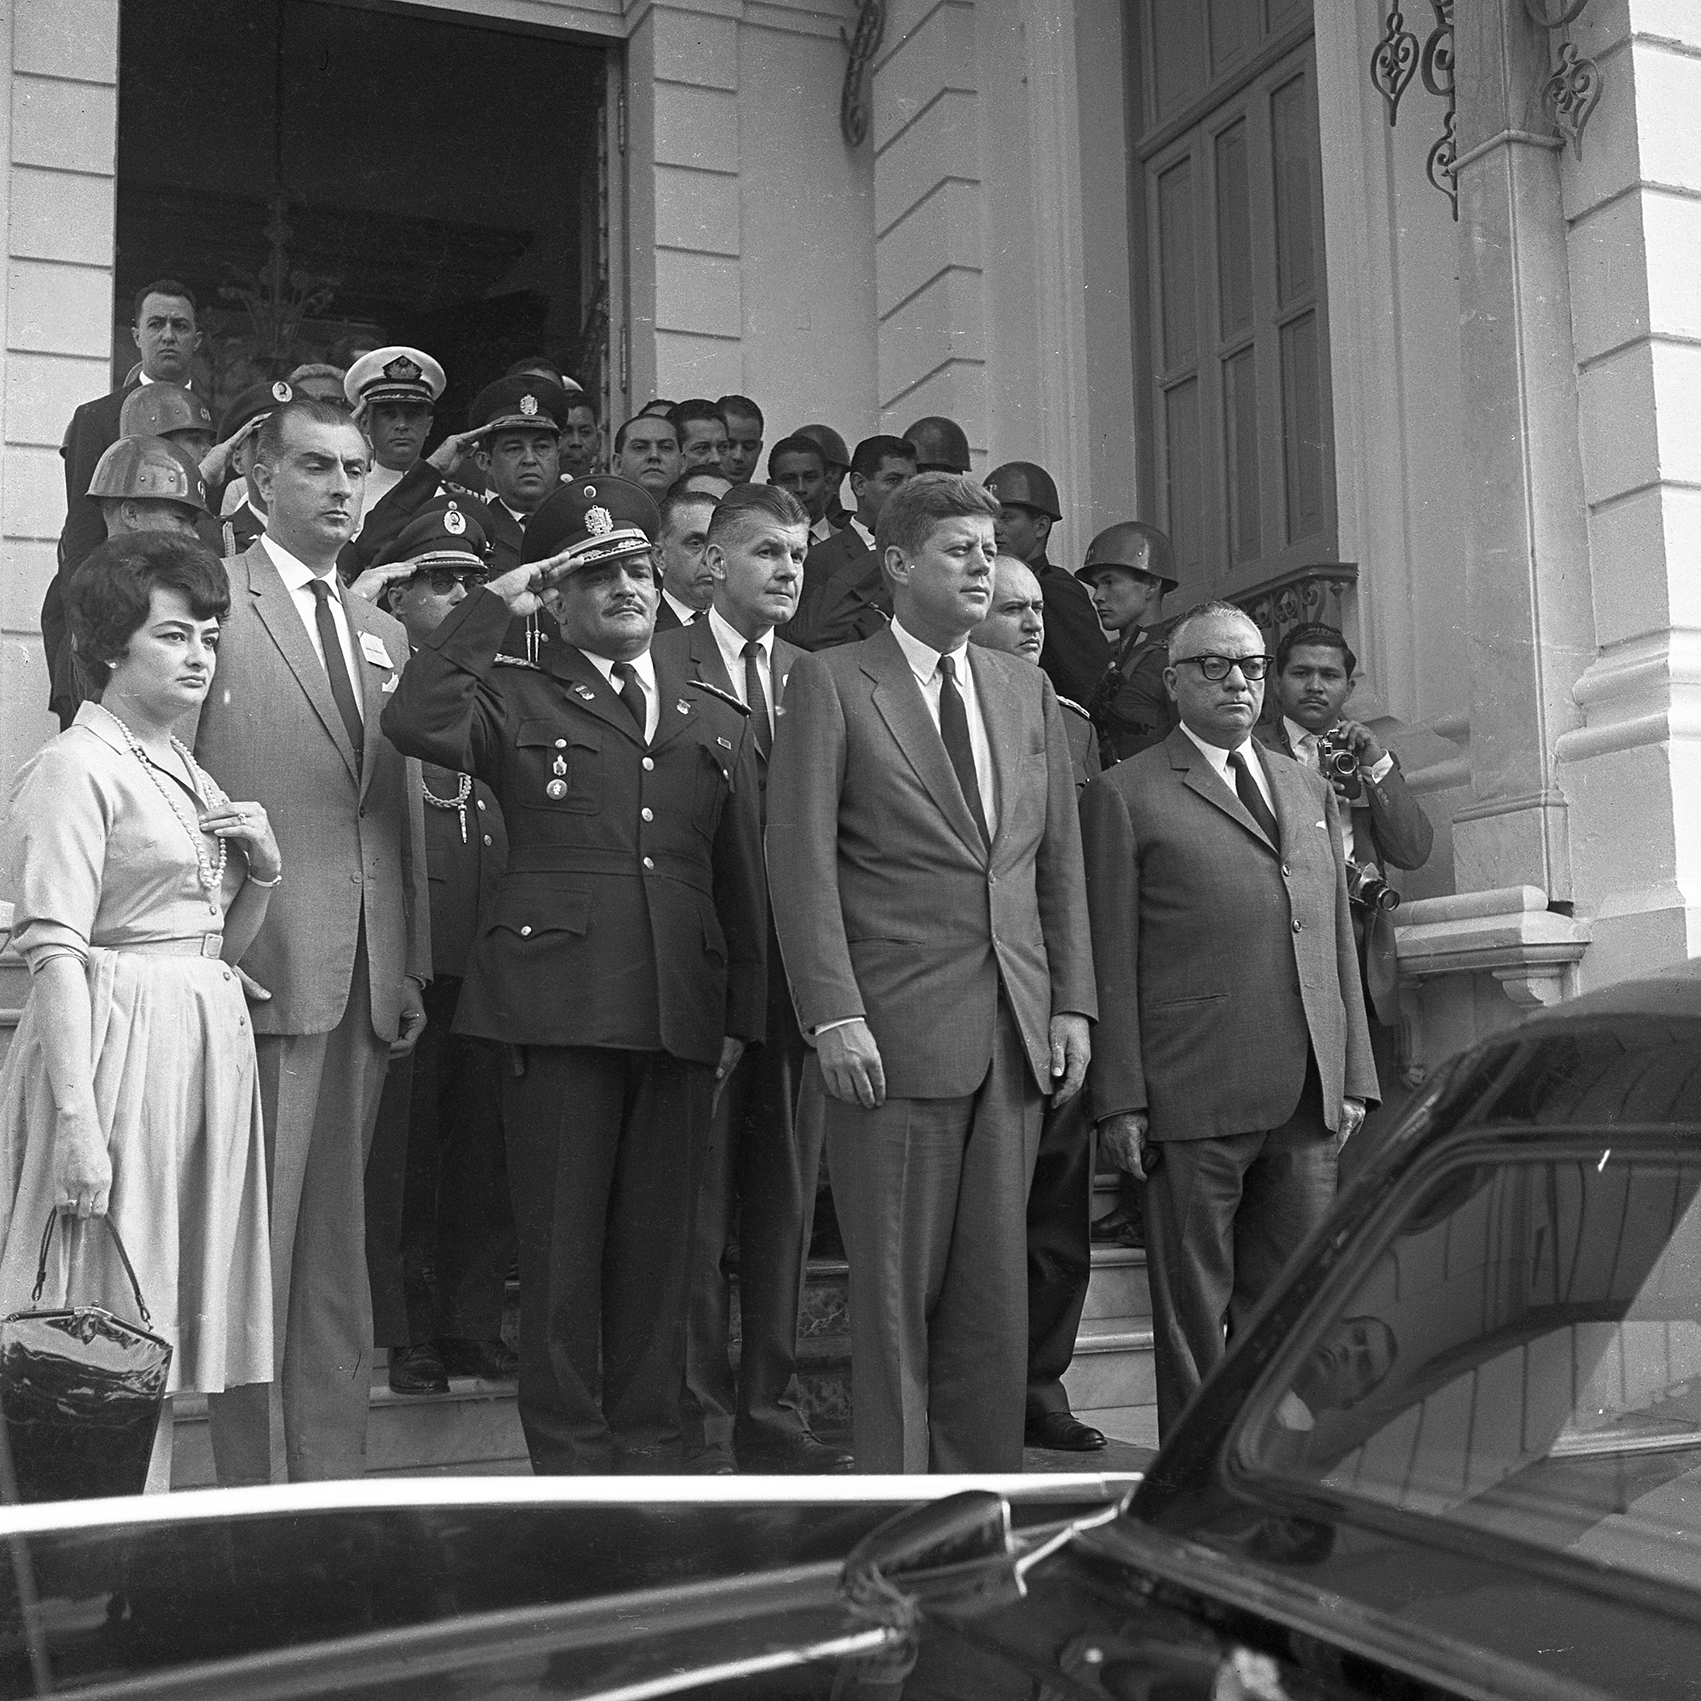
441,536
599,518
156,409
394,374
256,402
527,399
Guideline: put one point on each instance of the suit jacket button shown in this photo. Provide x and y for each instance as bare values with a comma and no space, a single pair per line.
1286,871
1298,925
649,862
525,933
647,814
354,880
649,763
487,838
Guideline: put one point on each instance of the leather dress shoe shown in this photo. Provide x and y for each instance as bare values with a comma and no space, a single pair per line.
417,1370
1116,1228
490,1361
709,1462
1062,1432
798,1453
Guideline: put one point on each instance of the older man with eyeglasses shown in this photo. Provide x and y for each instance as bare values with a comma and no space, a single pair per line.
1232,1060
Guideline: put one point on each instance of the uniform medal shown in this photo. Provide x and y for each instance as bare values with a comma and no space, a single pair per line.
557,787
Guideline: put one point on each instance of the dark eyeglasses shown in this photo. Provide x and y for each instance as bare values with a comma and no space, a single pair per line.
443,580
1217,668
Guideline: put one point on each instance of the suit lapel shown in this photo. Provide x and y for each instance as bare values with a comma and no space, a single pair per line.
671,694
898,698
282,619
784,660
1001,713
1200,777
371,680
586,686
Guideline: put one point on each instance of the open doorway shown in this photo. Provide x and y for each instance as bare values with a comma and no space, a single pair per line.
318,171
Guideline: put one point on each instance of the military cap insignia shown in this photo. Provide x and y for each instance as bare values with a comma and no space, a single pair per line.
403,370
528,405
598,522
281,392
454,520
715,691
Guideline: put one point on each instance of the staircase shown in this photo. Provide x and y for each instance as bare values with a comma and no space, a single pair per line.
1110,1382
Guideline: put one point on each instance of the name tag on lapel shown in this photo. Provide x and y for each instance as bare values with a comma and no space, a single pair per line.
372,647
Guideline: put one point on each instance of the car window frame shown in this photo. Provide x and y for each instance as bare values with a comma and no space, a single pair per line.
1472,1146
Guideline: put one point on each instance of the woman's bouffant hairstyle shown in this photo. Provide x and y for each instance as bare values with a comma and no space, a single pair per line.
110,594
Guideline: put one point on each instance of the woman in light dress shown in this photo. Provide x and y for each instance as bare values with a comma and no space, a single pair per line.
130,1086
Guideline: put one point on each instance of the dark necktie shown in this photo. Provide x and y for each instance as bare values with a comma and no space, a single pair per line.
698,615
1246,788
757,698
336,667
954,730
632,695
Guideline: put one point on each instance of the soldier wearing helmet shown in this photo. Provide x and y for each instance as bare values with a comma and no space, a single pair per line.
142,484
940,445
1129,567
838,462
163,410
1075,649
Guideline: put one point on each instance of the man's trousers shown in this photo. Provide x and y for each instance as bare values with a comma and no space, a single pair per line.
319,1096
604,1152
439,1220
932,1198
1222,1218
758,1190
1060,1251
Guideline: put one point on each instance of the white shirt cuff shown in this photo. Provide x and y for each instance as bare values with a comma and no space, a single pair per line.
1380,771
827,1027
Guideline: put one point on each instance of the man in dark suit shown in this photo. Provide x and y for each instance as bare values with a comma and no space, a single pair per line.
1128,570
924,866
844,593
439,1221
758,1190
345,950
1381,821
623,961
1075,649
685,581
1060,1251
1232,1057
165,331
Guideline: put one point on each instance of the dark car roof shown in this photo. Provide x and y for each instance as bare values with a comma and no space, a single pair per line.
1672,992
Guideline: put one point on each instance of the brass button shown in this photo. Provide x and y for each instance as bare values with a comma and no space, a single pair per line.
481,803
487,838
649,862
648,814
525,932
649,763
561,744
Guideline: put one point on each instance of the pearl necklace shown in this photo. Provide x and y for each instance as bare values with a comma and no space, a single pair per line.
210,873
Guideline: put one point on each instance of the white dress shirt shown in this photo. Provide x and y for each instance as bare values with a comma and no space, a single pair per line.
924,664
687,614
821,530
731,643
1304,747
297,576
1219,759
862,531
645,669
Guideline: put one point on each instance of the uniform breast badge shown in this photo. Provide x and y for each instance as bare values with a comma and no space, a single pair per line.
557,787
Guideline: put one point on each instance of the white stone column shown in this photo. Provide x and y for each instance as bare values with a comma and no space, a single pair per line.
1632,771
59,108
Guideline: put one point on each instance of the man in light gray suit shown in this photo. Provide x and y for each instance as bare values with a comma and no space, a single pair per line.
305,669
1232,1057
925,867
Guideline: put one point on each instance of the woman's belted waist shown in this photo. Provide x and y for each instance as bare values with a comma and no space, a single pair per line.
586,859
196,945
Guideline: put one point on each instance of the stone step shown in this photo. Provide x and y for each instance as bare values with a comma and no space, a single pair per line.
1118,1287
1110,1381
474,1429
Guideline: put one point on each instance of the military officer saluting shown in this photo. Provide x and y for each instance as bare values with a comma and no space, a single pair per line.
1129,567
244,510
623,959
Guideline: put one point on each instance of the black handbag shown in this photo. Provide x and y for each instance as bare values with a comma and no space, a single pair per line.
82,1392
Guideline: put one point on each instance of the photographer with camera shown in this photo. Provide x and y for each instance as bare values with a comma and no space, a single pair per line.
1381,820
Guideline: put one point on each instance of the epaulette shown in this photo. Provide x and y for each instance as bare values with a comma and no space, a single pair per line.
503,659
715,691
1070,703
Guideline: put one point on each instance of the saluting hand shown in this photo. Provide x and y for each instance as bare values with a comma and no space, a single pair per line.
216,462
851,1066
456,448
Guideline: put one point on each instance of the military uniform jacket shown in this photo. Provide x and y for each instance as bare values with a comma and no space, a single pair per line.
1131,706
239,529
632,913
1076,648
465,869
1083,741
